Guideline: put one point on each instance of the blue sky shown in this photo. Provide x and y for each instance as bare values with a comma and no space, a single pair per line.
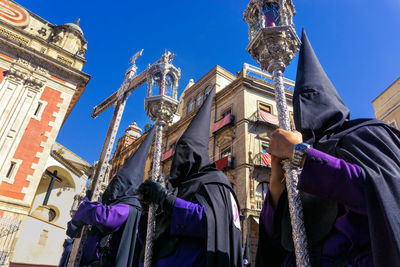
357,42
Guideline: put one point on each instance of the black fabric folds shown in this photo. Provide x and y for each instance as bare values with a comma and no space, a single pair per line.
191,151
318,108
122,190
197,180
375,147
127,254
323,120
246,253
211,188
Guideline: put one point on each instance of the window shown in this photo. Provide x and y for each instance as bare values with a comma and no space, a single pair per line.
207,91
261,191
198,100
190,107
225,152
264,147
38,109
264,107
52,214
227,112
11,169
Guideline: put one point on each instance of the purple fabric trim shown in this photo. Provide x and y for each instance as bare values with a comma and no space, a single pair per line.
188,219
107,219
267,214
329,177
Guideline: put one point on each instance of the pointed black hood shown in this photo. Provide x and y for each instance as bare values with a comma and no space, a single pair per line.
191,152
318,108
122,187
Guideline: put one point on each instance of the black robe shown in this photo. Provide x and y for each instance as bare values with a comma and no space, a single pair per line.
211,188
324,121
199,181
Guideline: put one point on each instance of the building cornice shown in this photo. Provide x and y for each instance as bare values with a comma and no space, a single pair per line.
60,69
217,70
57,156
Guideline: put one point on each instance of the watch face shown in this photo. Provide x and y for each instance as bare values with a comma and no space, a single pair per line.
301,147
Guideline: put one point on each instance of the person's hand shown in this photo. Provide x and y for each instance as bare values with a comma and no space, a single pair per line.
277,180
151,192
281,143
74,227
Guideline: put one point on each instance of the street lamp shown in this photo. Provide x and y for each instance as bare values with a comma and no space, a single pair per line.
273,43
160,104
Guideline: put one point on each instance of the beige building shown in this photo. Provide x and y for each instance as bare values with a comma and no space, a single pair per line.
41,80
387,105
41,239
243,113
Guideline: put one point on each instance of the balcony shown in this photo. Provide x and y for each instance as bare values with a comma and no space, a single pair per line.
168,154
262,167
266,117
225,163
226,121
262,159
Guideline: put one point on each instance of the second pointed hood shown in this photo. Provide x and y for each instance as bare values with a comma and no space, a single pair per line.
318,108
191,151
122,188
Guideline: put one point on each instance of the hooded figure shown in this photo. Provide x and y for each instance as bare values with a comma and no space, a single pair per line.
112,238
353,163
199,224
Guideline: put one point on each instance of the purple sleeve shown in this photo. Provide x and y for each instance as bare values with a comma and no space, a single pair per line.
333,178
271,217
267,214
188,219
107,219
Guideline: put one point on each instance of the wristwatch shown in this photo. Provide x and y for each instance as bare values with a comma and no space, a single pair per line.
300,150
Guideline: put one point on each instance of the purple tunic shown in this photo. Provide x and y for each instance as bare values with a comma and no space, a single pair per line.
328,177
190,224
107,219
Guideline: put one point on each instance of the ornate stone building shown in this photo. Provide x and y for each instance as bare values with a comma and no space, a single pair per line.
387,105
40,83
243,114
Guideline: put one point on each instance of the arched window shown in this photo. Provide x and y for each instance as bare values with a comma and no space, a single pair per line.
190,106
198,100
207,91
261,191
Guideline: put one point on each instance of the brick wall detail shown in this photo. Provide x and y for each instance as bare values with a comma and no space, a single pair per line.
32,143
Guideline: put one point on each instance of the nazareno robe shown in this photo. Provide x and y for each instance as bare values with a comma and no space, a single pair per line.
118,214
347,242
324,121
219,244
196,180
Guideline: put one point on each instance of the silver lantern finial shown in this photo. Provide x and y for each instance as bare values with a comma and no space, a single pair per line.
273,43
161,104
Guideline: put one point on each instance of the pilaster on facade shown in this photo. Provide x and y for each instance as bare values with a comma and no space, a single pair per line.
40,83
